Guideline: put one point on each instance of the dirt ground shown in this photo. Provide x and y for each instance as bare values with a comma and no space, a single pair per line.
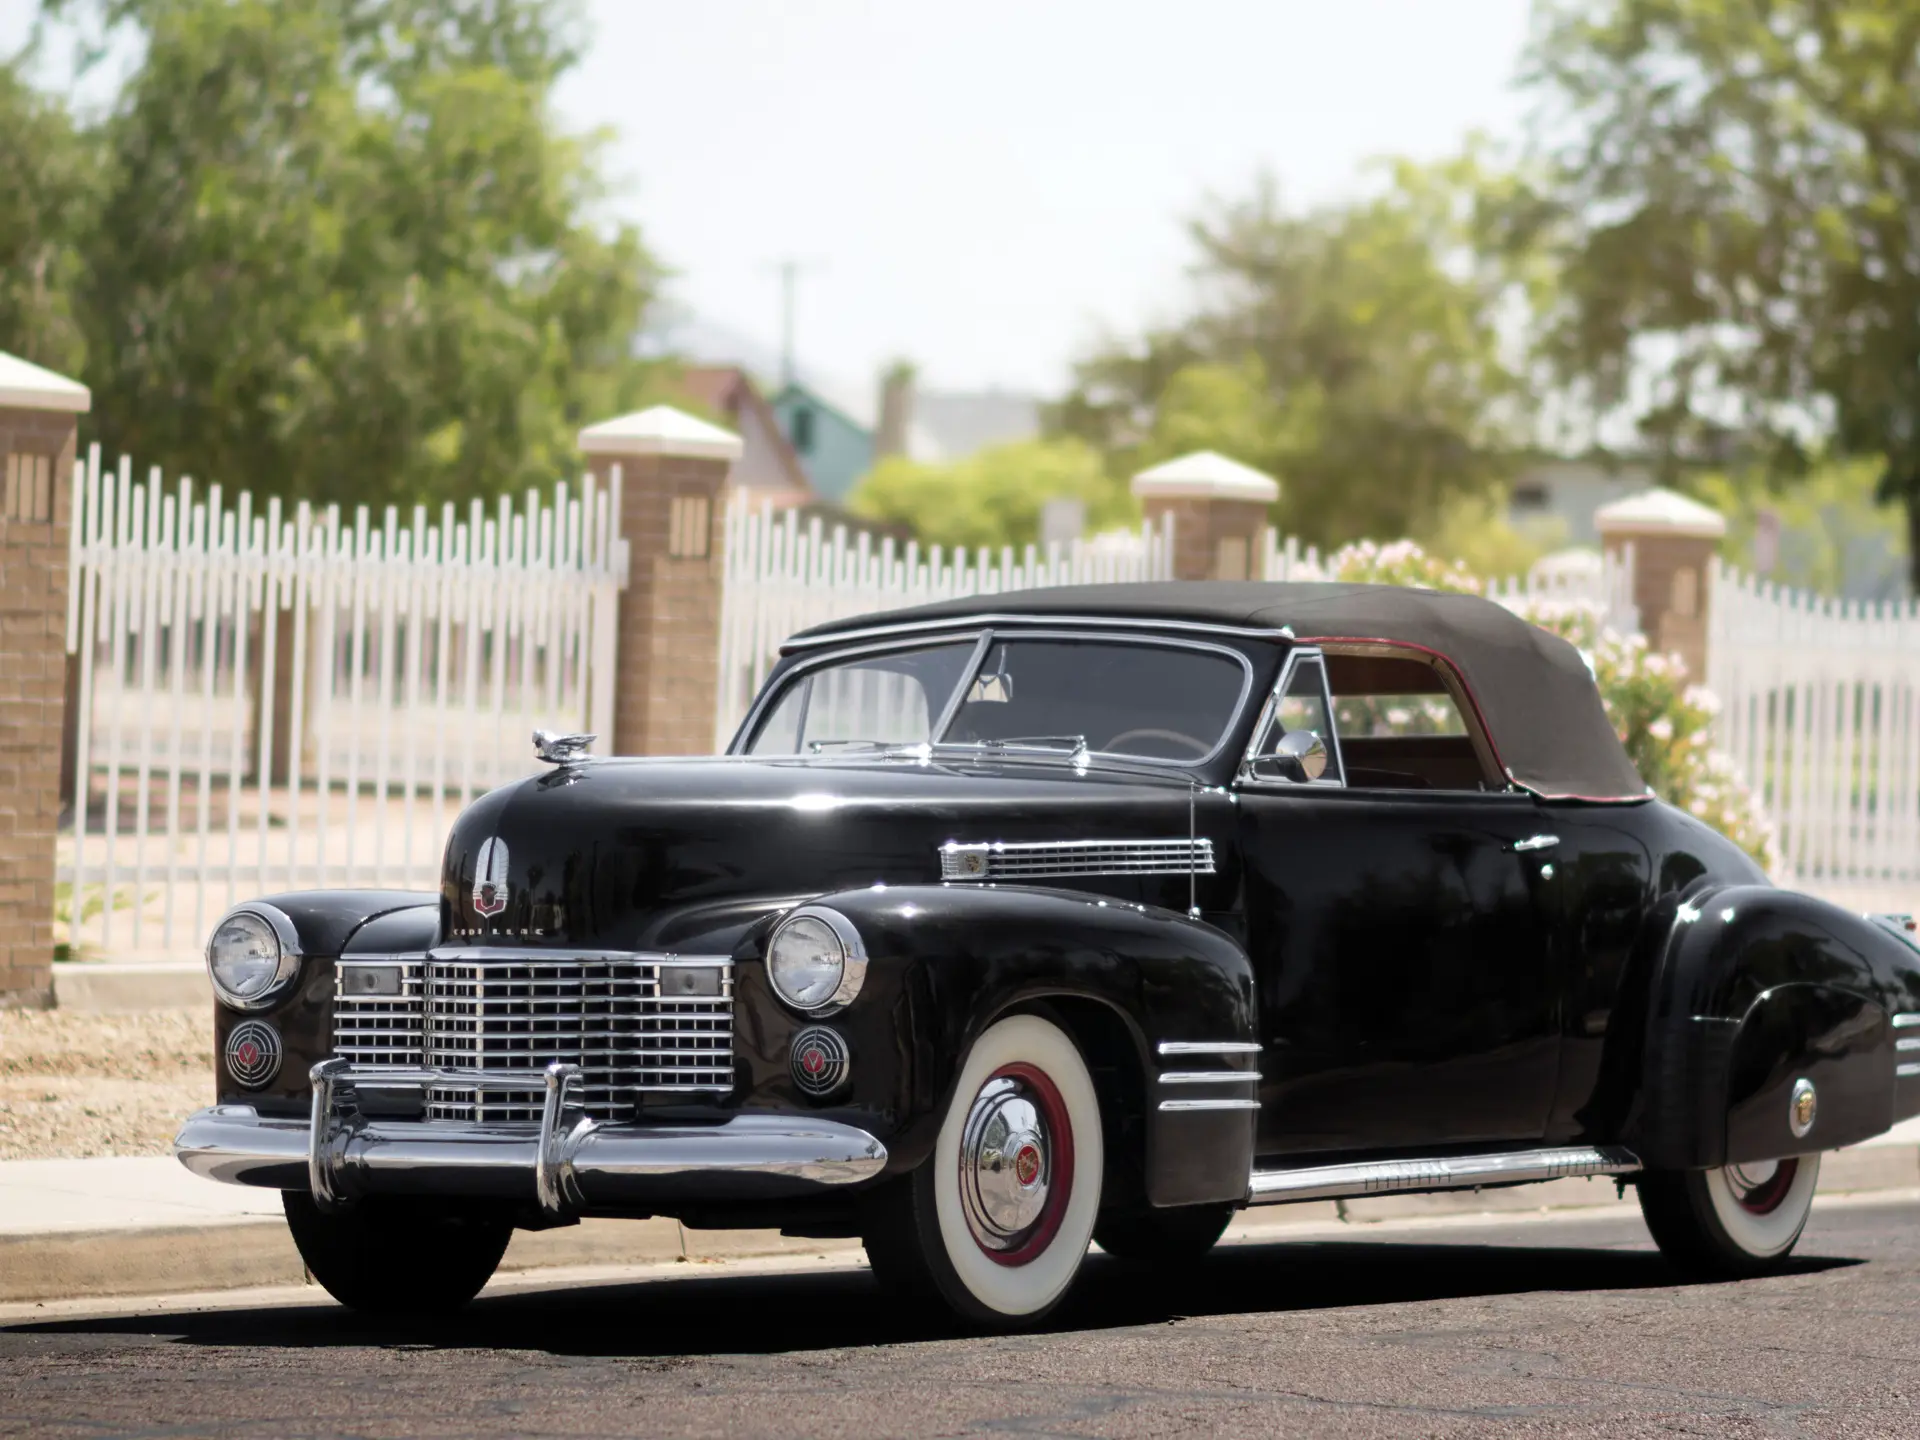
75,1084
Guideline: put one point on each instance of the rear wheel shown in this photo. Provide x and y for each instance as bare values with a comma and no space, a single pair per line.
391,1257
1733,1222
1162,1237
996,1222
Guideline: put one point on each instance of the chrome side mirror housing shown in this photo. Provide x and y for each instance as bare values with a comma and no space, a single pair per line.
1300,757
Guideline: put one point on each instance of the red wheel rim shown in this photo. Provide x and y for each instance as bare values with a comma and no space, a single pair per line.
1767,1196
1038,1087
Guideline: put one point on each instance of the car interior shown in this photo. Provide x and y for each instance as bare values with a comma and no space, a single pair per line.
1402,725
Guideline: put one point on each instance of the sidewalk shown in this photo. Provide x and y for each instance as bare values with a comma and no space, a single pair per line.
72,1228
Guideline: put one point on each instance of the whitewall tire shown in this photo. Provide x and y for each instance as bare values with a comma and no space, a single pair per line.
997,1221
1734,1221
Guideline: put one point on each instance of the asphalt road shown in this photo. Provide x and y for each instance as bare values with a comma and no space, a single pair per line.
1562,1328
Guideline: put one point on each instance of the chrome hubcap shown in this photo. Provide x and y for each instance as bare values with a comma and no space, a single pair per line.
1005,1167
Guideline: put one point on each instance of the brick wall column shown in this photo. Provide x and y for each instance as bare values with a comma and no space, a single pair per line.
1673,539
673,489
38,411
1219,512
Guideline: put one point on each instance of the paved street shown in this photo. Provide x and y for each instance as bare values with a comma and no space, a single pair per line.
1563,1327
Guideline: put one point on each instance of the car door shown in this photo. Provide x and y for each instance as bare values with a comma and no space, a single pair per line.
1408,992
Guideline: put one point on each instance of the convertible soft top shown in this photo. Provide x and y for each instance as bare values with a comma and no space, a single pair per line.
1542,713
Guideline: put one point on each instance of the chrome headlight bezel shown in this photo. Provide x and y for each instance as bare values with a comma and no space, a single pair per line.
853,960
286,967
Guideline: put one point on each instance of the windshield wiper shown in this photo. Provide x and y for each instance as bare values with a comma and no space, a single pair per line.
815,747
1073,745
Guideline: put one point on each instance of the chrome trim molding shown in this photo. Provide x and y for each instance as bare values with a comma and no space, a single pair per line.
1906,1022
1035,859
1206,1047
1911,1044
1207,1077
1906,1072
1209,1104
567,1163
1454,1172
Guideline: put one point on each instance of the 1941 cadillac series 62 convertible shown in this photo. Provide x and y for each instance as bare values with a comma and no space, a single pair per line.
1085,914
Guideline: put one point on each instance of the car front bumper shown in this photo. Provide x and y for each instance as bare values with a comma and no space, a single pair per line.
567,1165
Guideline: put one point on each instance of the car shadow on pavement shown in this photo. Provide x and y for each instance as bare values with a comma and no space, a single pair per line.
773,1313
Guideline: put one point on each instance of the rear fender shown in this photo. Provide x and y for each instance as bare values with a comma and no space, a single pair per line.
1755,989
945,963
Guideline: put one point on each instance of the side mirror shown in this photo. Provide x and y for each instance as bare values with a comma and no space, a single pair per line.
1301,756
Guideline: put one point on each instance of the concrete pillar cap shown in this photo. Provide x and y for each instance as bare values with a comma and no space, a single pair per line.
660,430
26,386
1659,511
1206,475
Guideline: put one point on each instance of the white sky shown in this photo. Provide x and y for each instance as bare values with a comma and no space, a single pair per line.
985,187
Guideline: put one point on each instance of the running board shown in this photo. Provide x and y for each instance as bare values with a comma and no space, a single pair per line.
1451,1172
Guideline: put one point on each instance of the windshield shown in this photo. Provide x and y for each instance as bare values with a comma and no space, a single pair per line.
1135,698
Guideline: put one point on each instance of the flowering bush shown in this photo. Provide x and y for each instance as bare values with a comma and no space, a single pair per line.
1664,722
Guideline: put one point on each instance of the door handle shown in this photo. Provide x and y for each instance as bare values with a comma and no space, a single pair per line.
1534,842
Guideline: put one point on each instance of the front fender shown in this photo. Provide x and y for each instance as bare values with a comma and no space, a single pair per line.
946,962
1754,989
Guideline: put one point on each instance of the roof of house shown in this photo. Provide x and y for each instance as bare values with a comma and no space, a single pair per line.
1535,695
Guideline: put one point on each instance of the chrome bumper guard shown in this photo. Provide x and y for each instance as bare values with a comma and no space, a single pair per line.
569,1164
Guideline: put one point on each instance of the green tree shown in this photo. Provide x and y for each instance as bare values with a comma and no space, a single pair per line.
46,178
995,497
1733,193
1353,351
341,251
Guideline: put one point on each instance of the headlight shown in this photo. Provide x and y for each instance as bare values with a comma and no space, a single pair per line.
251,958
815,960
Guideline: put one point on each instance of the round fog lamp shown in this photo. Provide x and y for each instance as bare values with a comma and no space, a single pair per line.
815,960
247,961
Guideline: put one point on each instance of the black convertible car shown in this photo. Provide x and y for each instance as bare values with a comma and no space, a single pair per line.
1085,914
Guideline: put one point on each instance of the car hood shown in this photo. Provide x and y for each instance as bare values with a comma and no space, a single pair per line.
646,854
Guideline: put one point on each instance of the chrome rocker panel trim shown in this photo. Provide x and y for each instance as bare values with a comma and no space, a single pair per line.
569,1165
1453,1172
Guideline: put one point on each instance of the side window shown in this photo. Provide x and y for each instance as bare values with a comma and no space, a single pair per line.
1303,705
1401,727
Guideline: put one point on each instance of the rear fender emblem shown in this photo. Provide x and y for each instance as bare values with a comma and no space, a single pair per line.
490,877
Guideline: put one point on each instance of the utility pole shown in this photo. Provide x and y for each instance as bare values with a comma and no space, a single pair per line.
790,272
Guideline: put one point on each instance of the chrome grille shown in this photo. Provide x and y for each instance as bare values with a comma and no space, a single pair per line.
1026,859
498,1010
376,1029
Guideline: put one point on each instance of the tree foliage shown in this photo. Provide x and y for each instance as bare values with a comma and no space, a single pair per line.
341,250
1353,351
46,180
1734,194
992,498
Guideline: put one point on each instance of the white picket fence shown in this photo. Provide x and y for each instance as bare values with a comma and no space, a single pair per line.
1820,709
1604,582
412,660
782,576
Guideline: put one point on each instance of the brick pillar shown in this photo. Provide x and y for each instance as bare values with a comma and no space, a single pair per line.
673,489
1219,512
1673,540
37,419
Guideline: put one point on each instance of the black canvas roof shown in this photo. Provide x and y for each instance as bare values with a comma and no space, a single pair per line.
1534,692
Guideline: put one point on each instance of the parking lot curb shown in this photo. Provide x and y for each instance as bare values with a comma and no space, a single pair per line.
244,1253
105,987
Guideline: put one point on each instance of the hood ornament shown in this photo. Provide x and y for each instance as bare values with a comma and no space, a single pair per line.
558,749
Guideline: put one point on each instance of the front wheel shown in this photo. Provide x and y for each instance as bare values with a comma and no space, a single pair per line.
387,1256
1733,1222
996,1222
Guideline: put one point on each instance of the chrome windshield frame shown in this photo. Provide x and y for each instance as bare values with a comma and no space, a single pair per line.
984,637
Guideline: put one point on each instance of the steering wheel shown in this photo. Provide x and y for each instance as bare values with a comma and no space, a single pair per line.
1176,737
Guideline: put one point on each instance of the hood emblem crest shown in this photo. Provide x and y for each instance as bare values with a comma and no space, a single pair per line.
490,877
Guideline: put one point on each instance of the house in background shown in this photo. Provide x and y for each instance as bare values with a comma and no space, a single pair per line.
833,447
768,470
839,438
1565,493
